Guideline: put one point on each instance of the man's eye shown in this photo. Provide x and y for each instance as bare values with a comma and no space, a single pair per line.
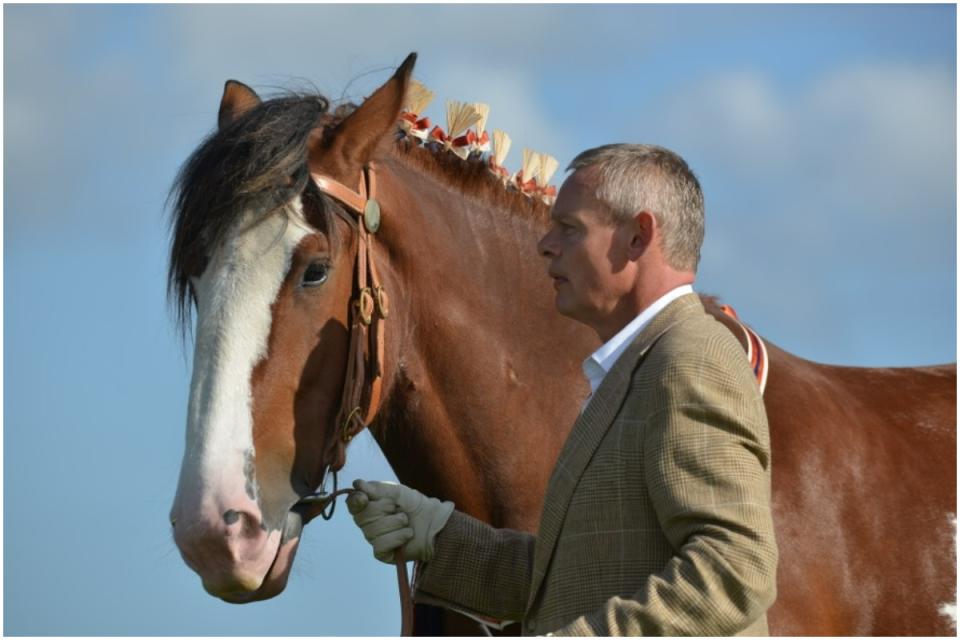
316,274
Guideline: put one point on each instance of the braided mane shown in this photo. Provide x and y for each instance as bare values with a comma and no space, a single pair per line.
472,177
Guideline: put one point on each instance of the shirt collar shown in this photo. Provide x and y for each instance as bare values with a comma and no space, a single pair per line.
595,367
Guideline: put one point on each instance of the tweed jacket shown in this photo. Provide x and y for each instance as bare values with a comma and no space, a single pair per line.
656,519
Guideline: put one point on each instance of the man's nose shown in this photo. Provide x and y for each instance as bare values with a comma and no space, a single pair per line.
546,247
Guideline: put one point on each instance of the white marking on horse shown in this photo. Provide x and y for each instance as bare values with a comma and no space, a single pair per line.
947,609
234,297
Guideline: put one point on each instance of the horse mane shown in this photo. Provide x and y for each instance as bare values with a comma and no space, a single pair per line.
471,177
261,159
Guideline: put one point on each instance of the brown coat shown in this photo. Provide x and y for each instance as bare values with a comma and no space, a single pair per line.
656,520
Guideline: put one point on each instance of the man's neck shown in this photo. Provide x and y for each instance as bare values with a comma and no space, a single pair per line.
643,295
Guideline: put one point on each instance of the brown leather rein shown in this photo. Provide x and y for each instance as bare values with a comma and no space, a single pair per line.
368,310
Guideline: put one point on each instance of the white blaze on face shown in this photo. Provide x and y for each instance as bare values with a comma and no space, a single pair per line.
234,295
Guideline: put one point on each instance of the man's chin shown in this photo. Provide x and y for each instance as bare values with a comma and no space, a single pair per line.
565,307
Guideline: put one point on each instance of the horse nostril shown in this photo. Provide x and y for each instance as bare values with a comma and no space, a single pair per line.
242,523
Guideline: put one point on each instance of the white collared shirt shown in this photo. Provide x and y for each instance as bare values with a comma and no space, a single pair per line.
595,367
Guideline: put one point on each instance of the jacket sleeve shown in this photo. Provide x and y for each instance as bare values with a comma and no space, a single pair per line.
478,570
706,460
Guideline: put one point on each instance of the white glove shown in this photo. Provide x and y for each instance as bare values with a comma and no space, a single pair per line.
393,516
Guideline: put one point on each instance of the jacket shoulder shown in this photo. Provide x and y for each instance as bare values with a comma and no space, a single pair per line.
696,336
695,358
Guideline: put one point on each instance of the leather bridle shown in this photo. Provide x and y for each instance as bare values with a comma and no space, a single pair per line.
368,310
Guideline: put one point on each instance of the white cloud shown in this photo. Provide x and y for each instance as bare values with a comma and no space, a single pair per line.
877,137
899,124
731,112
336,43
213,44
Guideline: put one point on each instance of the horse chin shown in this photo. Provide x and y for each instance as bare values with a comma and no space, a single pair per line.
275,581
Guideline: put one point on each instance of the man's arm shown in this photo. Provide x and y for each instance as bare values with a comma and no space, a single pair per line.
706,460
478,570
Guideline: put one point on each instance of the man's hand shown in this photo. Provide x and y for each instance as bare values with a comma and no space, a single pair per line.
393,516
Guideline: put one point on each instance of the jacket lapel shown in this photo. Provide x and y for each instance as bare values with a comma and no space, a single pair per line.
589,429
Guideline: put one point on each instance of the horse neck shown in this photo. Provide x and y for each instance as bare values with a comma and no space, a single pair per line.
479,363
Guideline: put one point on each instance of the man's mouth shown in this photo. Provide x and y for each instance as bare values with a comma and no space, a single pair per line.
557,279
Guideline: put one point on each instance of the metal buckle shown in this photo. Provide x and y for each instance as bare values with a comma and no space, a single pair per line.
383,302
364,305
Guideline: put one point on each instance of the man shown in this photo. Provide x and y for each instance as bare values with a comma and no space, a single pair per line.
656,520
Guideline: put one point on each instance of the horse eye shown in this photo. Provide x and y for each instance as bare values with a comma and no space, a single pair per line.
316,274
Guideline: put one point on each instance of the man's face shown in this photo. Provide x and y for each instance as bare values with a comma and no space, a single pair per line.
587,254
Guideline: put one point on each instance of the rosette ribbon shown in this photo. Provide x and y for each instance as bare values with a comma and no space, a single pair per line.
414,126
526,186
498,170
459,145
475,143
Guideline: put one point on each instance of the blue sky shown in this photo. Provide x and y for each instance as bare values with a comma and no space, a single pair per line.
824,137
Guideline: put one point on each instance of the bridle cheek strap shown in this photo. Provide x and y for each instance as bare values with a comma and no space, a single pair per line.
363,383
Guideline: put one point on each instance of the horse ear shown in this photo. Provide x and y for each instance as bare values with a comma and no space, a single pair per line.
237,99
353,142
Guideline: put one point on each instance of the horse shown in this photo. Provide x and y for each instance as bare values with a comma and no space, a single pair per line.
470,381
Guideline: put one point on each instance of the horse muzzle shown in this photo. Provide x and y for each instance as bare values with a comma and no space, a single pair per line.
237,557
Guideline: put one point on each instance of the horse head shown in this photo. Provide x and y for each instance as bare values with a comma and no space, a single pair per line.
265,260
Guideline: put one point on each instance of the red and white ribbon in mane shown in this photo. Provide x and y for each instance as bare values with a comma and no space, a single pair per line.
414,126
466,136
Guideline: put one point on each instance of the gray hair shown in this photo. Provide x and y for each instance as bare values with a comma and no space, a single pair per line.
637,177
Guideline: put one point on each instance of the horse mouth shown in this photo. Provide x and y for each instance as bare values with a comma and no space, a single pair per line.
275,580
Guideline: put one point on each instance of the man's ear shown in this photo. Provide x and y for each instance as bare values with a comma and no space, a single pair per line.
644,230
352,143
